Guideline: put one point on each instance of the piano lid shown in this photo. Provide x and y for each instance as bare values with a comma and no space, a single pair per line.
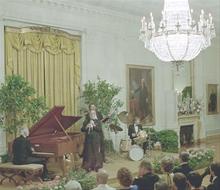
48,124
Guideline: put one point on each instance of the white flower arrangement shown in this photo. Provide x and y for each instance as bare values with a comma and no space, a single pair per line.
189,106
200,157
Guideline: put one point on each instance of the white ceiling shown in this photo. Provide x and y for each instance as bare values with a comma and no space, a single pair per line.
144,7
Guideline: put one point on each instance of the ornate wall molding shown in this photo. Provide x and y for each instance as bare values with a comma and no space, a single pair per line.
89,9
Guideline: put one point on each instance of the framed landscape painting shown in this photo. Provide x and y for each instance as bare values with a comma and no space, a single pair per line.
140,88
212,99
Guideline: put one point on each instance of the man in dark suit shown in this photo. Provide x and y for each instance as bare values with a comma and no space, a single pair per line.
146,178
134,129
184,167
215,172
22,153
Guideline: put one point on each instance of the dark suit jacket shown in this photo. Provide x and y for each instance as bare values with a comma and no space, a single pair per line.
215,185
146,182
131,130
183,168
21,150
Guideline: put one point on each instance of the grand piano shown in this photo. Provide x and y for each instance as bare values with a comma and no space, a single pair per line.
49,137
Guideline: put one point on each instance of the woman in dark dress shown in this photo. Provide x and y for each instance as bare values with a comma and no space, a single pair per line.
92,154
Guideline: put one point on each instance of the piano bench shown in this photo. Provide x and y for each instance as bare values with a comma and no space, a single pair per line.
25,172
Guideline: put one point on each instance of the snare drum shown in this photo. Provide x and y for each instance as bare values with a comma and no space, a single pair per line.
125,145
136,153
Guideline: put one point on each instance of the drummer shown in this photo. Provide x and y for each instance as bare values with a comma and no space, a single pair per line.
134,132
134,129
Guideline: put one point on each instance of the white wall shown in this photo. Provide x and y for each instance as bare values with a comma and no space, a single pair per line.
109,42
207,71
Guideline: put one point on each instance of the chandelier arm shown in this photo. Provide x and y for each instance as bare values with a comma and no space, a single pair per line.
168,47
198,51
187,48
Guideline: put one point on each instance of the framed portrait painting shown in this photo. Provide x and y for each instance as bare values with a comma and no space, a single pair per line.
140,88
212,99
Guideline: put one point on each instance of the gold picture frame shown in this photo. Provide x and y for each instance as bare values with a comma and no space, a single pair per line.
212,99
141,93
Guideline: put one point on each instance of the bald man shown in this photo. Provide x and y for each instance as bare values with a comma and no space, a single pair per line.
22,153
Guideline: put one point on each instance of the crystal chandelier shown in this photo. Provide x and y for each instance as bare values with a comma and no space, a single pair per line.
178,38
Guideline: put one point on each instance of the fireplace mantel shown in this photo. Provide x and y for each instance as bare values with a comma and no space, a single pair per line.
188,117
191,119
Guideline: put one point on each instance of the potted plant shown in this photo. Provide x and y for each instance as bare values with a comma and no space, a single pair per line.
19,104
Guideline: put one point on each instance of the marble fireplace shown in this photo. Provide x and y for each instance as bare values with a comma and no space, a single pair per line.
189,129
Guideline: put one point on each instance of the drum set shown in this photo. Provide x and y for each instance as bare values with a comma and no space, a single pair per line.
135,151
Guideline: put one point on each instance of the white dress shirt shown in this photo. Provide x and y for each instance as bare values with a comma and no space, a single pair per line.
136,128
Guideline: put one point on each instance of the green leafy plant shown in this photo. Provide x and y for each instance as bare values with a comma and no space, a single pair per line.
19,104
200,158
187,91
4,158
86,181
152,134
168,140
103,95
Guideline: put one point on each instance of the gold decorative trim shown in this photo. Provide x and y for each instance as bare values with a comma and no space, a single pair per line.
44,30
129,66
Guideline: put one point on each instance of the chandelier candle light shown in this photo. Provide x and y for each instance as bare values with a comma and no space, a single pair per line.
178,38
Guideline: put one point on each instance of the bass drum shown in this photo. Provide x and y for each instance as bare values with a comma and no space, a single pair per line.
136,153
125,145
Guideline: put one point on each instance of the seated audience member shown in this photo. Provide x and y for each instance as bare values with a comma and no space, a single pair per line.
73,185
161,186
102,179
215,173
22,153
146,178
195,181
184,166
125,179
167,168
180,182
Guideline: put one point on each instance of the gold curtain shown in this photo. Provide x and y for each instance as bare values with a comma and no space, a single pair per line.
49,60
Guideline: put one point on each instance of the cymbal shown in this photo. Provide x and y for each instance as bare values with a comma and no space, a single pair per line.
115,128
147,119
125,117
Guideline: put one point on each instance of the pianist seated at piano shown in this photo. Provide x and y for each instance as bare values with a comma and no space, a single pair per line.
92,154
22,153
